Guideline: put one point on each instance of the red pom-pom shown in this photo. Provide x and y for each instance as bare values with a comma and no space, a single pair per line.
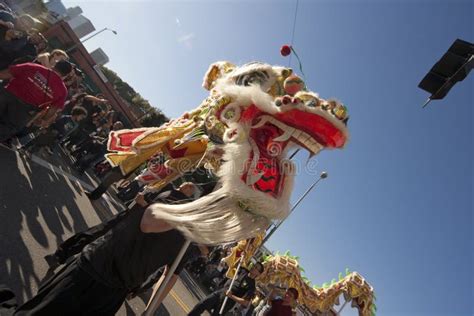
285,50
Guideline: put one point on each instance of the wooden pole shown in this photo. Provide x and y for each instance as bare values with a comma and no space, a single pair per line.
153,303
232,283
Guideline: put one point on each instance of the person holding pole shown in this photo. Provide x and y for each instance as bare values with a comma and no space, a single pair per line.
242,293
108,269
76,243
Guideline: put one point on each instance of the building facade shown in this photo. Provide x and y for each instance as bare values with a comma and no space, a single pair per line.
61,35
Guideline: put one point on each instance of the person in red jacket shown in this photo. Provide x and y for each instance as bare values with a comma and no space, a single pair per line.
32,88
283,306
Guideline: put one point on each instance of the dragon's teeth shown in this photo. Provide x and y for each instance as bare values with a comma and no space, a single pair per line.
297,133
285,136
308,141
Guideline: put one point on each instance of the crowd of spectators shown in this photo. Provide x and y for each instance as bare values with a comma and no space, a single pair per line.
43,102
20,39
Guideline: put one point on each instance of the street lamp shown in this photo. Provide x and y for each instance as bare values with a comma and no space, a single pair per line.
88,38
98,32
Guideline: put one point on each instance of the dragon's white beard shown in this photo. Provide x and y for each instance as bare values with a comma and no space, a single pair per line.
213,219
217,218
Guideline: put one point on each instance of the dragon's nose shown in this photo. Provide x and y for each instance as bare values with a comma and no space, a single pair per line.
287,100
283,100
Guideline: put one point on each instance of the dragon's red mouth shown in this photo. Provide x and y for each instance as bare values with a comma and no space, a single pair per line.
271,134
310,129
315,126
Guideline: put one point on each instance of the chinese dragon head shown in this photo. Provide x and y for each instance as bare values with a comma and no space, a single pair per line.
252,117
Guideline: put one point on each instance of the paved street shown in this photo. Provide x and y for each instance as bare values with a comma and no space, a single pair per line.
42,203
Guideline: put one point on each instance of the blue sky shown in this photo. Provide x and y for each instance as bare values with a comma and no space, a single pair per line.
397,206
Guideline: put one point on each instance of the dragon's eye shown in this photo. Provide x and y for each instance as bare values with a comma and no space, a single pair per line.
230,114
253,78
